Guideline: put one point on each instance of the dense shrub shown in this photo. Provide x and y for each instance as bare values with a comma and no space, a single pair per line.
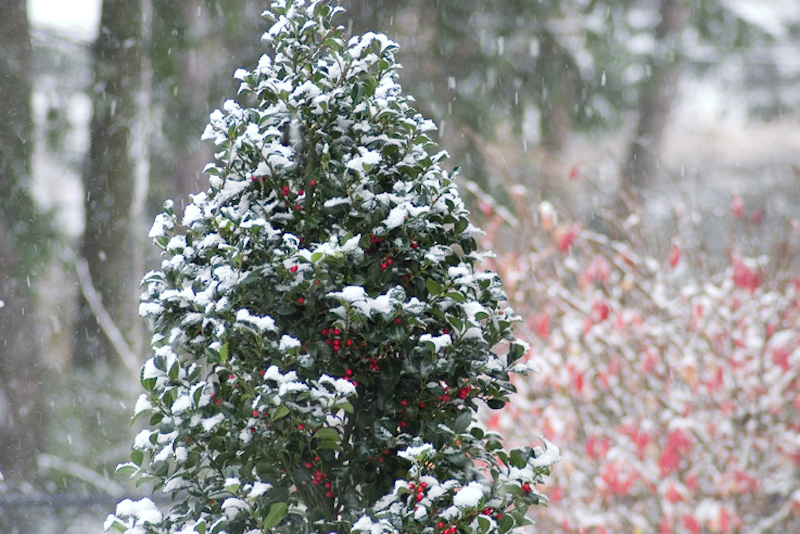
671,372
322,339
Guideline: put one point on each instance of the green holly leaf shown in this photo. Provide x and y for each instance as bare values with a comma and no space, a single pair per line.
434,288
276,514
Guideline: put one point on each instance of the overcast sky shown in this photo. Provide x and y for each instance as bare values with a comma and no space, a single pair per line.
78,18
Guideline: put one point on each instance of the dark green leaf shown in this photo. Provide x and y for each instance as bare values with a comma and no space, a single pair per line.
276,514
516,459
462,422
434,288
327,433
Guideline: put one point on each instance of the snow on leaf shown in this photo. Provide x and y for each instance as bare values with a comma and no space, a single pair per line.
143,511
469,496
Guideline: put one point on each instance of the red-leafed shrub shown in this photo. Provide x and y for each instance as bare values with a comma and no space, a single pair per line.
670,374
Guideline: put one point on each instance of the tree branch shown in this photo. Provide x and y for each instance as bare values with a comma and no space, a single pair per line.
104,318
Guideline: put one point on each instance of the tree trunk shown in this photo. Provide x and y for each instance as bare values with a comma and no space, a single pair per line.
196,68
110,178
655,98
555,94
21,254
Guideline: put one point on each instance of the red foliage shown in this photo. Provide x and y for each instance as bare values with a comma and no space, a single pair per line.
672,390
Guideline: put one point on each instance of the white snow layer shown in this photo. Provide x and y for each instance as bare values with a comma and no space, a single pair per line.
143,511
262,323
469,496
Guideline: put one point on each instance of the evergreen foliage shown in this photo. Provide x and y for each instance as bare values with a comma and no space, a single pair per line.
322,338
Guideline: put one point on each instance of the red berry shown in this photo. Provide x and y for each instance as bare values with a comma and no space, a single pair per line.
255,413
384,266
316,458
312,183
300,192
411,485
349,342
336,331
309,465
301,300
217,401
440,525
419,497
349,372
526,488
300,426
398,321
414,246
325,332
389,261
315,481
499,515
285,190
327,485
402,424
253,430
329,494
293,269
422,405
403,402
423,485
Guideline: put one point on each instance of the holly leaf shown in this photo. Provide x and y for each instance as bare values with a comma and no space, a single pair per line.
327,433
276,514
434,288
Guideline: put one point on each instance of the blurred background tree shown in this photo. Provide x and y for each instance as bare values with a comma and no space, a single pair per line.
574,66
109,180
25,235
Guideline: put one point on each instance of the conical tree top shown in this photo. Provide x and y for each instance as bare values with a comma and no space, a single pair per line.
321,333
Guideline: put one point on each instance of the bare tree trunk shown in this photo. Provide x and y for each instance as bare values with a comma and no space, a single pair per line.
141,155
196,68
555,94
656,97
110,178
21,248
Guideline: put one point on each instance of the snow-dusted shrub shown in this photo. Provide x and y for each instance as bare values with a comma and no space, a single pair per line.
673,380
322,338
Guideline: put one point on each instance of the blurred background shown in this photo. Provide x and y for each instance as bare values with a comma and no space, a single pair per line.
592,105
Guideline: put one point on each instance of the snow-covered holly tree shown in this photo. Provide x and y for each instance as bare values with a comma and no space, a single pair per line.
322,339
